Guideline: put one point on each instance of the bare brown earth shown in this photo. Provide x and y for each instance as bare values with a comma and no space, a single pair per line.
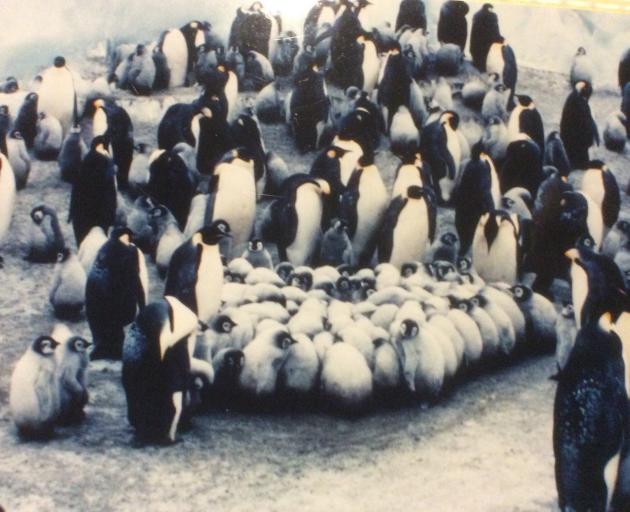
485,447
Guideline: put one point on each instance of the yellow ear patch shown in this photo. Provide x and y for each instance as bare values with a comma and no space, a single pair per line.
331,153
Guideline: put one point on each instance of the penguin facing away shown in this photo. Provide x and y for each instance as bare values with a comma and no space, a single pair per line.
577,126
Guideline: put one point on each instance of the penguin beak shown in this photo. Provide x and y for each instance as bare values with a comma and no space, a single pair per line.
572,254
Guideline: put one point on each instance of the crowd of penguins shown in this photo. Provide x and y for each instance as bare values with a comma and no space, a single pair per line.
327,288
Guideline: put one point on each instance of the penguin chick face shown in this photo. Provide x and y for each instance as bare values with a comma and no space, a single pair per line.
408,269
223,324
521,292
39,213
408,329
255,245
568,311
444,271
283,340
79,345
63,255
284,271
302,280
580,51
44,346
213,234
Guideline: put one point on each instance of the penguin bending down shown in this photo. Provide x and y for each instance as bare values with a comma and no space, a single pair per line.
590,419
117,287
577,126
293,222
46,238
156,369
34,392
195,272
408,227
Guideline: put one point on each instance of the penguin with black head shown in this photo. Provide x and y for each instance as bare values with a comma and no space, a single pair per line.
522,166
156,369
176,126
26,119
394,86
526,119
452,25
346,51
195,272
413,14
556,155
214,136
478,192
46,237
623,72
116,289
248,140
440,149
600,184
484,32
93,198
502,61
577,126
254,29
328,167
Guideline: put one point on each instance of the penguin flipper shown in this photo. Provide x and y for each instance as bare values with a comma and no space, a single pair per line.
386,240
429,198
531,124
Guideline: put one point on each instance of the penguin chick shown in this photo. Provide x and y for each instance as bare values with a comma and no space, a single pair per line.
228,365
168,235
336,248
264,275
34,393
495,103
518,200
72,376
540,315
566,332
49,137
387,373
257,255
18,158
67,294
445,248
346,379
264,357
45,236
139,170
582,69
299,373
615,132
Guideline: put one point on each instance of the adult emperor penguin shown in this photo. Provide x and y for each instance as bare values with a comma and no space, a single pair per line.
156,369
233,197
496,248
195,272
294,221
93,198
522,166
26,119
363,206
577,126
34,393
408,227
394,87
478,193
57,92
178,46
484,32
452,25
525,118
502,61
322,12
590,419
411,13
440,149
117,287
346,51
7,197
556,154
308,108
411,171
600,184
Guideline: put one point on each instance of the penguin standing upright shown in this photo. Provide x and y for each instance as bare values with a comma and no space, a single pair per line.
72,152
484,32
116,289
195,272
49,138
590,419
394,86
308,109
581,68
293,222
600,184
67,294
522,166
411,171
233,197
214,136
34,393
26,119
556,154
452,25
156,369
363,205
71,371
408,228
336,248
178,46
502,61
7,197
93,198
345,51
478,192
577,126
525,118
411,13
257,255
441,150
56,93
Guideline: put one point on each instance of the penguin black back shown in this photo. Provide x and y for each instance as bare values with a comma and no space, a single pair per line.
484,32
452,25
411,13
577,126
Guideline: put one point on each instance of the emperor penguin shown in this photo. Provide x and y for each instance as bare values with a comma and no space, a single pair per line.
440,149
403,133
478,193
195,272
452,24
496,139
522,166
233,197
26,119
72,360
411,171
484,32
45,238
157,362
34,392
57,93
600,184
179,52
566,333
577,126
525,118
67,294
556,154
494,102
363,205
502,61
93,199
336,248
582,69
294,221
91,245
116,288
408,227
590,419
7,197
394,87
540,317
496,247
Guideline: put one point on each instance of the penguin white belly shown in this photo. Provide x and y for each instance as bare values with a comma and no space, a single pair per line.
176,52
495,187
500,264
348,162
595,221
144,275
411,234
308,206
326,15
235,202
454,148
494,61
56,95
431,364
370,208
7,196
231,93
622,329
371,66
209,282
514,124
593,186
579,291
99,123
408,175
